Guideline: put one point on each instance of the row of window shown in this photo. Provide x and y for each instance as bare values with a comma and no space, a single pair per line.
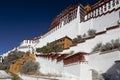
103,8
69,17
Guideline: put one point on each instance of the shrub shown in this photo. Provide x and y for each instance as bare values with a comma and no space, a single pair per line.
115,43
12,56
107,46
97,47
29,66
50,47
84,35
15,77
79,37
91,32
75,40
103,48
38,50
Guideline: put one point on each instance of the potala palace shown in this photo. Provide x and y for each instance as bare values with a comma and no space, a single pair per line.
78,61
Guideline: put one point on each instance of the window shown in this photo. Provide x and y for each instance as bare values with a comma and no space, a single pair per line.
60,24
105,7
117,2
87,16
113,3
98,11
101,10
109,6
91,14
